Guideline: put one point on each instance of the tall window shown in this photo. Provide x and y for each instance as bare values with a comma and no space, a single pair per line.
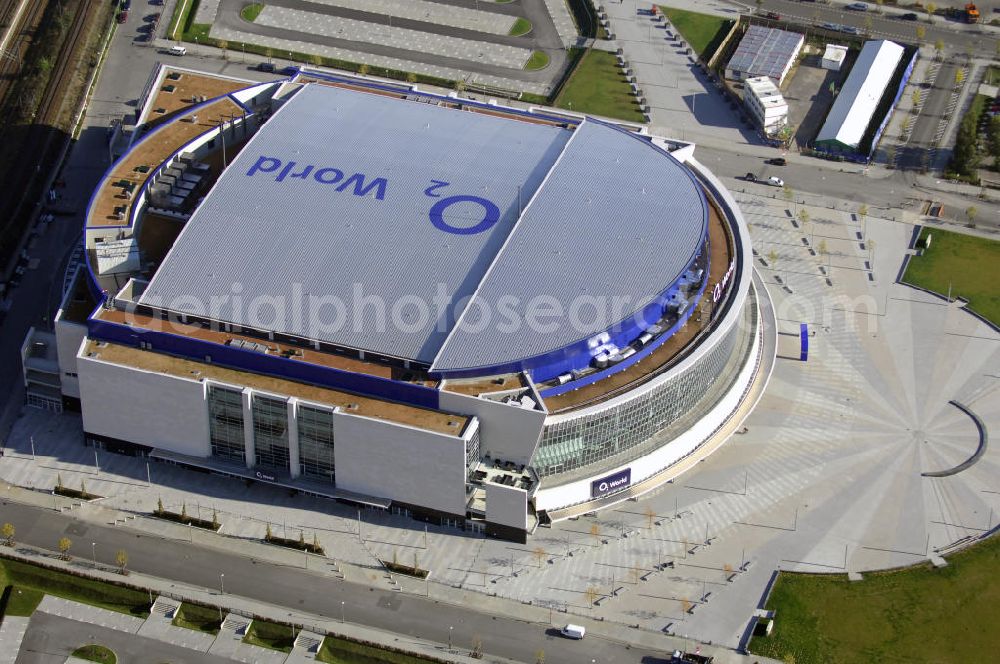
225,417
316,443
270,432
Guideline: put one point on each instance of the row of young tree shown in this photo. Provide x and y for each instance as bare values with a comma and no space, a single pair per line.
968,153
8,533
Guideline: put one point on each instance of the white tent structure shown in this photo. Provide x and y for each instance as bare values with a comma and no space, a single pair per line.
853,109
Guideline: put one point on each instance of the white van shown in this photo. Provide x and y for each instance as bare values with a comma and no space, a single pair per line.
572,631
178,50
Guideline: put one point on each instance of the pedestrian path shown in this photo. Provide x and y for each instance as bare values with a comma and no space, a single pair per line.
432,12
324,25
12,631
160,626
65,608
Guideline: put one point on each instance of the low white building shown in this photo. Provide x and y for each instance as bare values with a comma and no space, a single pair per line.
834,56
765,104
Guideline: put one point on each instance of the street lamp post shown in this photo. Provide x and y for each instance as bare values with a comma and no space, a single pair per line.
93,552
341,612
222,582
451,629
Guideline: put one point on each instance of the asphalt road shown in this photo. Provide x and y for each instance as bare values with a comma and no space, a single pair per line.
50,640
302,590
957,37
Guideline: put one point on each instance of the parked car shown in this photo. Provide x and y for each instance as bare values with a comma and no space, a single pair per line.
777,161
850,30
750,177
774,16
266,67
858,7
830,26
123,16
909,16
775,181
177,50
572,631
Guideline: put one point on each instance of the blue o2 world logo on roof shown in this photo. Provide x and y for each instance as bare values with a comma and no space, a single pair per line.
491,213
362,185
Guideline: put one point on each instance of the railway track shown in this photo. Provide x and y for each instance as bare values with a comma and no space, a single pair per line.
31,147
19,28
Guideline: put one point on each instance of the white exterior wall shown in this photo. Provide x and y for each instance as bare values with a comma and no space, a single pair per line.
506,506
572,493
664,457
69,338
505,432
143,407
378,458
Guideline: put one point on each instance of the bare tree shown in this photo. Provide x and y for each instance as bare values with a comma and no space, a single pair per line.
595,531
591,593
121,559
539,554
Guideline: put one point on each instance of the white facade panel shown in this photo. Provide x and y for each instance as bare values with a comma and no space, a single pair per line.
378,458
69,338
506,432
143,407
507,506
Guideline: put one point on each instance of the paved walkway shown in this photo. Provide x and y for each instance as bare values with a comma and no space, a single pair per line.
65,608
12,630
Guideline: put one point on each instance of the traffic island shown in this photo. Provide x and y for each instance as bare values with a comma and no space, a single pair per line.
95,653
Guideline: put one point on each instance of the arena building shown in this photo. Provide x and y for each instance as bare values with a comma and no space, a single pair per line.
482,316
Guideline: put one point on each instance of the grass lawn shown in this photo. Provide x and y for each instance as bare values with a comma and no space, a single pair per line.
22,601
703,32
270,635
340,651
522,26
184,12
992,76
538,60
598,86
33,581
95,653
200,618
252,11
914,615
970,264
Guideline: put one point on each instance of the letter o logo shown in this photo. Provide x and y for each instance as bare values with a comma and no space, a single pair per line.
491,215
603,486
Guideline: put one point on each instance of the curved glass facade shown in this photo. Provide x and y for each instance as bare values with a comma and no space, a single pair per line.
624,428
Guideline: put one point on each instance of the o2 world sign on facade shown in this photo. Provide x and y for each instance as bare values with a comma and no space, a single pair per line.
611,484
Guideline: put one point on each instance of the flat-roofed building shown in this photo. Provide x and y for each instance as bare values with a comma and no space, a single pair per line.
479,315
765,51
765,104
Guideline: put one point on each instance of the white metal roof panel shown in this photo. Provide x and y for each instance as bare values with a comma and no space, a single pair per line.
853,109
300,220
616,220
